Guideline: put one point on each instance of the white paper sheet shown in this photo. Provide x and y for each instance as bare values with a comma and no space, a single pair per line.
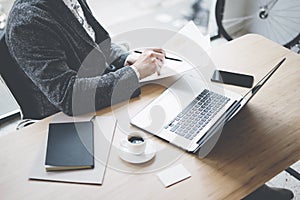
191,31
188,41
173,175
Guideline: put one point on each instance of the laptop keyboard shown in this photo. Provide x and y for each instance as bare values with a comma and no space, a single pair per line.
197,114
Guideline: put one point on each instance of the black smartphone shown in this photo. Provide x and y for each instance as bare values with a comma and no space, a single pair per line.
232,78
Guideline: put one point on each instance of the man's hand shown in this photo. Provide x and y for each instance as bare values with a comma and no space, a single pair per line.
150,61
131,59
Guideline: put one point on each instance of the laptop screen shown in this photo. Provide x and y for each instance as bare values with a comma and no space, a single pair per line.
248,96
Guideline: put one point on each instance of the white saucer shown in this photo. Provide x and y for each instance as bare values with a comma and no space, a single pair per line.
137,158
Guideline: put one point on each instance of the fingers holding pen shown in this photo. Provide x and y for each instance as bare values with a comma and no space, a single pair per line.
157,55
158,58
159,50
150,61
159,64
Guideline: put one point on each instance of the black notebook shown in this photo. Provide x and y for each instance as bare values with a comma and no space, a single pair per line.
70,146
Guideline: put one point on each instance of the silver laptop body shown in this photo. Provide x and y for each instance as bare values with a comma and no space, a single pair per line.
159,116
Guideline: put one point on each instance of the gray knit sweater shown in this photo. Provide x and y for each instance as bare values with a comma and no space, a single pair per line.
67,70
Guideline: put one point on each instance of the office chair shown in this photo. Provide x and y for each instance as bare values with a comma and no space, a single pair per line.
19,85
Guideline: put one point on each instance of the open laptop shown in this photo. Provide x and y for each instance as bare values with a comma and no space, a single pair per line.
190,112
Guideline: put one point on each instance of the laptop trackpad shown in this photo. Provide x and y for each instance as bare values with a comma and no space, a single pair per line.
154,117
157,114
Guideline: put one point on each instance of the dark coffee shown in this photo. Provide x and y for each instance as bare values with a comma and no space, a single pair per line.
136,140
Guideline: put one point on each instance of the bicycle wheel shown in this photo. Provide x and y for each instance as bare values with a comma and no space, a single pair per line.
278,20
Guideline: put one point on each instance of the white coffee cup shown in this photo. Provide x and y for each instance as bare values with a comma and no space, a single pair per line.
135,143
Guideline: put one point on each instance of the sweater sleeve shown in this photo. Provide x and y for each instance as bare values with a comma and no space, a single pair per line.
117,55
38,51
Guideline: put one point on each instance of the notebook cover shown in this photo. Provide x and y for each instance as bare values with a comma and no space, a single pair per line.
70,146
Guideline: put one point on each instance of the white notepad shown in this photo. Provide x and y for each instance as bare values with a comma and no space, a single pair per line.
173,175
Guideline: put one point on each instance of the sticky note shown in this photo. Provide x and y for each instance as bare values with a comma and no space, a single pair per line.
173,175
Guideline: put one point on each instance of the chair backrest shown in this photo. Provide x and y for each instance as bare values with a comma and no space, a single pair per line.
16,80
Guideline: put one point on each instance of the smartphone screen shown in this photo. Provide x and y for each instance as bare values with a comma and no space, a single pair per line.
232,78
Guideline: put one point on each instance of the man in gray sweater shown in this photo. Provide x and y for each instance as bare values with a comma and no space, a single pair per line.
68,60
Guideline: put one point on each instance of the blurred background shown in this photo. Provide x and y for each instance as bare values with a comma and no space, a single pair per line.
168,14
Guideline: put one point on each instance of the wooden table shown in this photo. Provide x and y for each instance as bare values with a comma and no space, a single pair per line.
256,145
